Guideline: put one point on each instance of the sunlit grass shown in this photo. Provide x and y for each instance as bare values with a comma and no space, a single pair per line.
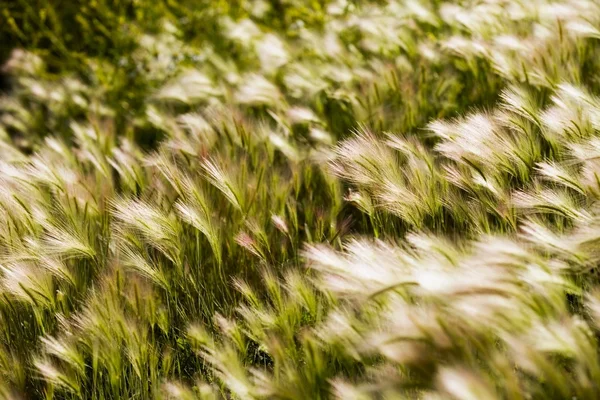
300,200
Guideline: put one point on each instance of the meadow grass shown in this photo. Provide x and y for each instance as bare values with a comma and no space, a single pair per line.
300,199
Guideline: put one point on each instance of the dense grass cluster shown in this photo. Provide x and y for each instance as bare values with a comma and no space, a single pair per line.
300,199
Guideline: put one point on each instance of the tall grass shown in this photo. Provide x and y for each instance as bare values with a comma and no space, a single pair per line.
300,200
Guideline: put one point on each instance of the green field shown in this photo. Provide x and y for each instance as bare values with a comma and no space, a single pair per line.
300,199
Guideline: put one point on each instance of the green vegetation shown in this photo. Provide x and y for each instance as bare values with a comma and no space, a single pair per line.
303,199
